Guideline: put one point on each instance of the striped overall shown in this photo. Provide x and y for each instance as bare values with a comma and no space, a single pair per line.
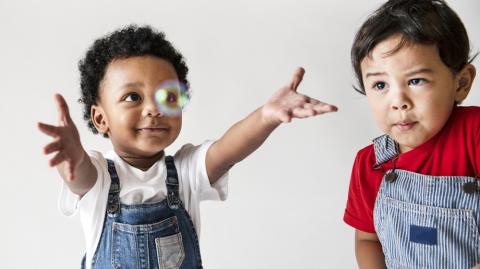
426,221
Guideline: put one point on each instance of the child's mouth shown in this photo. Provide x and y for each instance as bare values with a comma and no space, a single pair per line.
405,126
153,130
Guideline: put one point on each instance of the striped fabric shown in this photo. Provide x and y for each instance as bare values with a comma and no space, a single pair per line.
385,149
426,221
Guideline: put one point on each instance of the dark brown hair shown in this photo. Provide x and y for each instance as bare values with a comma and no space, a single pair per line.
417,21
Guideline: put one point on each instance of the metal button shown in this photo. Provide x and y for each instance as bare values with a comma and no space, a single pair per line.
470,187
113,208
390,176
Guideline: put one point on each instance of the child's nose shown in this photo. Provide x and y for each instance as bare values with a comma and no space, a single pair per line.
150,109
404,106
401,101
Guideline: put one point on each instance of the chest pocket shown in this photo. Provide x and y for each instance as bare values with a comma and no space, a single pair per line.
170,251
158,245
419,236
428,222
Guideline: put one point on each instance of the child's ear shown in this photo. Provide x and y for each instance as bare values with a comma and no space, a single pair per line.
99,119
464,82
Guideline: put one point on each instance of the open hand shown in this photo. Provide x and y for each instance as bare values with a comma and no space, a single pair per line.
66,144
287,103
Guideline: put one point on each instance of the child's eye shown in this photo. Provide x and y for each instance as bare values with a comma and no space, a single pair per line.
132,97
379,86
416,81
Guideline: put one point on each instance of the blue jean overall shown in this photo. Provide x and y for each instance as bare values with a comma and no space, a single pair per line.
425,221
158,235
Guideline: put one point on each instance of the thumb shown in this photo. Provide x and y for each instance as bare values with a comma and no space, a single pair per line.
297,78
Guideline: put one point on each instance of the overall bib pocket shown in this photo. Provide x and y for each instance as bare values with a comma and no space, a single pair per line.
135,246
413,235
170,251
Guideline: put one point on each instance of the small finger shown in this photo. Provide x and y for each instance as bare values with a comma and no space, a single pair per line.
329,107
309,106
62,108
303,112
297,78
314,101
48,129
52,147
322,106
57,159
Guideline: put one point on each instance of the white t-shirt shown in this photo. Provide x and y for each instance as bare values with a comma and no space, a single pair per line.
138,187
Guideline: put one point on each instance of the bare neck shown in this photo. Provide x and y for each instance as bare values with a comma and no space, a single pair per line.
143,162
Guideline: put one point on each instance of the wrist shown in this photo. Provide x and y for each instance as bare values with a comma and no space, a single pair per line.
267,119
82,158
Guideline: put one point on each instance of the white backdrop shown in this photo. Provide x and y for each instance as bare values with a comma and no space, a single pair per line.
286,201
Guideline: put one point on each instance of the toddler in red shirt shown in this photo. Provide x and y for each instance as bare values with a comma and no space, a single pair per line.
414,197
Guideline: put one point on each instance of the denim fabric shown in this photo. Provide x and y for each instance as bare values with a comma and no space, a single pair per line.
158,235
427,221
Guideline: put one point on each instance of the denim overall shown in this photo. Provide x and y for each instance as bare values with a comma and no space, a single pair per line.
425,221
158,235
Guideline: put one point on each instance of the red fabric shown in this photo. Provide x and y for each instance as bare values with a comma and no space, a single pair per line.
454,151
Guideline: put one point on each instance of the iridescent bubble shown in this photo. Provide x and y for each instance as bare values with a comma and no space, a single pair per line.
171,97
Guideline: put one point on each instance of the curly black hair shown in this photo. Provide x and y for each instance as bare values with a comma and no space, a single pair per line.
126,42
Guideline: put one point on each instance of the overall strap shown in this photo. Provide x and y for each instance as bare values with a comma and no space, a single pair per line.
385,149
173,197
114,192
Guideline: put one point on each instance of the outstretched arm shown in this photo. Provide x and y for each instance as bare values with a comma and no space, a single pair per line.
247,135
71,160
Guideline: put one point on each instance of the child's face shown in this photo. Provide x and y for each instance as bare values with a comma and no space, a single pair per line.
127,110
411,92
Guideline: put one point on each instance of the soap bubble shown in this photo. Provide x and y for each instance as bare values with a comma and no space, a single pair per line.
171,97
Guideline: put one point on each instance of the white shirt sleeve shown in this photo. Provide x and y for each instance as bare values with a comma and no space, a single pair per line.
70,203
190,161
194,183
92,205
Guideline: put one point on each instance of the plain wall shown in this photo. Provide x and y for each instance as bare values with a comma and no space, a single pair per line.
285,202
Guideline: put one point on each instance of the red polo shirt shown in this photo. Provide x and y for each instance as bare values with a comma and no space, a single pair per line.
454,151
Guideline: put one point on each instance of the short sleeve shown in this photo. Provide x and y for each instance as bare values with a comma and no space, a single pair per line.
476,146
361,197
477,149
469,125
191,162
194,183
70,203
